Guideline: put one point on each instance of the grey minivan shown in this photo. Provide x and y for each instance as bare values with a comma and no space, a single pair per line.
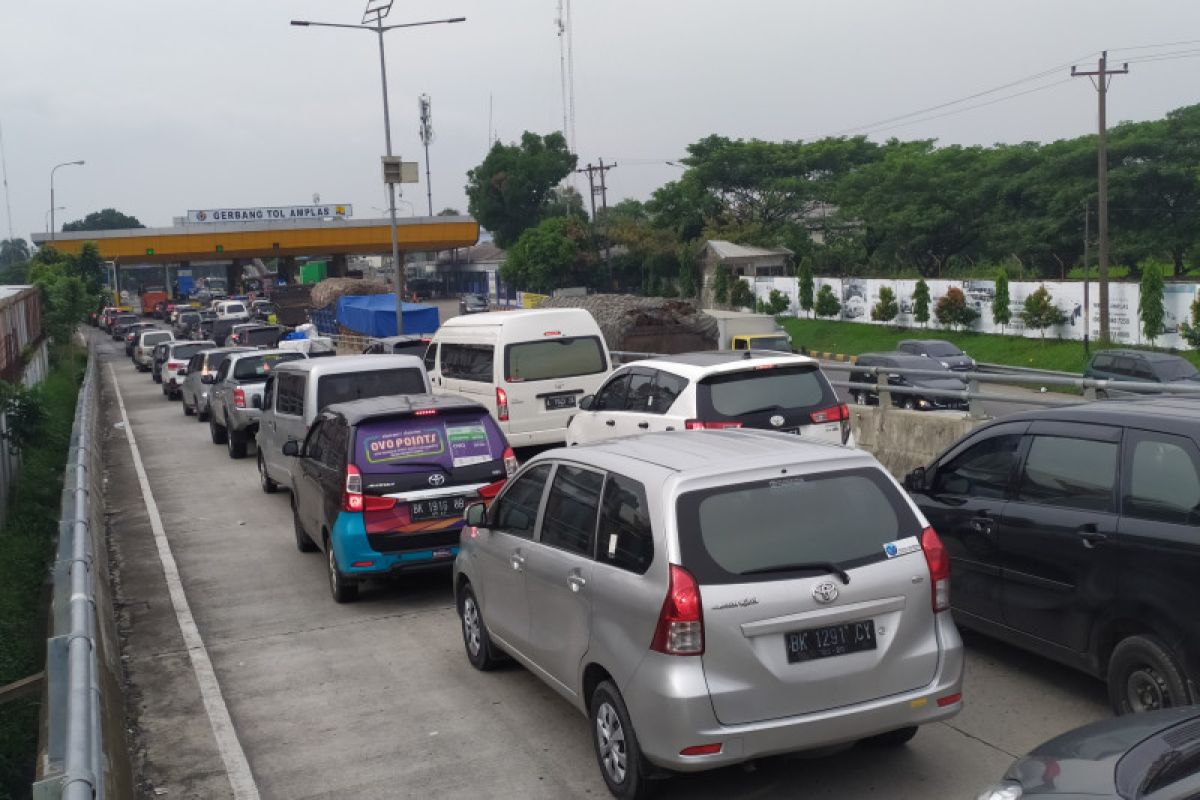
198,377
711,597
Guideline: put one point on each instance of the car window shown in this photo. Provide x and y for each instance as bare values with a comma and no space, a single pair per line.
667,388
516,510
268,392
792,519
1142,370
155,338
625,538
315,443
291,394
570,519
1164,480
467,362
223,370
547,359
1122,366
333,446
196,364
983,470
641,390
1102,362
256,368
430,356
611,396
732,394
361,384
1070,473
1175,369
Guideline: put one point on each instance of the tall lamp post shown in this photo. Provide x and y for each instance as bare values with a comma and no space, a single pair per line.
64,164
372,21
46,217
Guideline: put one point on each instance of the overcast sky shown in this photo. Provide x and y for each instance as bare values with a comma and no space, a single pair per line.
179,106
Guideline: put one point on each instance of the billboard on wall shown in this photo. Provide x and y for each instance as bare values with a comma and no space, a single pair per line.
859,295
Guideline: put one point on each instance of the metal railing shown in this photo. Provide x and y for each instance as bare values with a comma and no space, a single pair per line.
73,763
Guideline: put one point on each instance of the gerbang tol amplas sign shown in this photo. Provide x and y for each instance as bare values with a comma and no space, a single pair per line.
323,211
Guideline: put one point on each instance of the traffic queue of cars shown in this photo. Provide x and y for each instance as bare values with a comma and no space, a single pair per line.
709,571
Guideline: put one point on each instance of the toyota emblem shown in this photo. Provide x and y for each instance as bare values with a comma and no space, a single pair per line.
776,420
437,479
825,592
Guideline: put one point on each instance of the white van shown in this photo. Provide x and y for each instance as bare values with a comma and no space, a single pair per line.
232,309
528,367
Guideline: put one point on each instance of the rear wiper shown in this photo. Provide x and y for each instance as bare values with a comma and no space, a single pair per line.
761,410
825,566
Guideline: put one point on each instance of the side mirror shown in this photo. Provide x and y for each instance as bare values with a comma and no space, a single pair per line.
208,378
585,402
915,480
291,448
256,402
476,515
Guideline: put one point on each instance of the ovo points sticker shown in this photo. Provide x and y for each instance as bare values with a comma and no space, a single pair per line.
384,448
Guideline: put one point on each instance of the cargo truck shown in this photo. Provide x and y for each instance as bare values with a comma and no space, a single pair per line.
742,330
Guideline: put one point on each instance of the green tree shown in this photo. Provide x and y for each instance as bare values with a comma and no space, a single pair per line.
510,190
1040,312
1001,312
720,285
920,299
89,266
1150,303
65,296
807,285
887,309
13,251
1191,331
550,256
827,304
449,211
108,219
952,309
740,294
777,303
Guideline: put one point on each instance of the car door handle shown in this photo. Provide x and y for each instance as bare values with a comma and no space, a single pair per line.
1090,535
576,582
610,422
643,425
983,524
517,561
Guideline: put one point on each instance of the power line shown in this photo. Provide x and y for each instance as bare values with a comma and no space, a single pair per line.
973,107
1152,46
1165,56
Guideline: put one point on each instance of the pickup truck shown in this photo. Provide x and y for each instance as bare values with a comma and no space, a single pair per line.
233,418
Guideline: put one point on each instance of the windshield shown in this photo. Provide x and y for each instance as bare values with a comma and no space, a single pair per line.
154,338
548,359
189,317
745,391
1176,370
781,343
255,369
941,349
234,308
841,517
451,441
369,383
189,350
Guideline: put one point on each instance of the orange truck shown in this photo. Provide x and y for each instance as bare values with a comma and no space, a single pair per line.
151,297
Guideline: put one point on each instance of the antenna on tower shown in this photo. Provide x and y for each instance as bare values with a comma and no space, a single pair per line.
4,171
425,107
572,143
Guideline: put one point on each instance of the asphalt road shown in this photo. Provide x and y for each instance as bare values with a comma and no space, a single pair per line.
376,698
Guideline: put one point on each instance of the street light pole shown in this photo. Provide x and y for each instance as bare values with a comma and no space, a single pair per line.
52,171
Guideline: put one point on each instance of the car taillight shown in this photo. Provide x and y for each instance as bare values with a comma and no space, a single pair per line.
939,568
425,412
352,496
680,630
491,490
501,404
701,425
835,414
239,397
174,365
510,462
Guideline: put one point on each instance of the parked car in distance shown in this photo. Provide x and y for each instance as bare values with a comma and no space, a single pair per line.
869,394
1144,366
381,484
628,576
297,391
722,389
235,397
473,304
198,377
399,346
255,335
1152,756
939,350
177,355
529,367
1073,535
133,343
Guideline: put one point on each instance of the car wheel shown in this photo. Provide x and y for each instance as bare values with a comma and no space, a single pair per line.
187,410
622,765
157,378
480,650
202,414
1144,675
235,442
343,589
860,398
896,738
304,542
1101,394
909,404
264,481
218,432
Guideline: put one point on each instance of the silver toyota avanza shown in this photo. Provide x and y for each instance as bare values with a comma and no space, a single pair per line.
710,597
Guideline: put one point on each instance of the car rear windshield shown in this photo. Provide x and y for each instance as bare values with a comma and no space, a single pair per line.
155,338
256,368
191,316
369,383
447,441
941,349
547,359
234,308
735,394
189,350
260,336
845,517
771,343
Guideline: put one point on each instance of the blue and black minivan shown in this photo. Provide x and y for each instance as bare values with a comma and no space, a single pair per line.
381,484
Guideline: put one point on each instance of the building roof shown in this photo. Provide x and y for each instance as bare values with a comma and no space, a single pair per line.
728,251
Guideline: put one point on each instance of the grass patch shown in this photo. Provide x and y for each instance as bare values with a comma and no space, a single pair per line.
853,338
26,549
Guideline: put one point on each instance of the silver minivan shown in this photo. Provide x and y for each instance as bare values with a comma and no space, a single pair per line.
711,597
297,391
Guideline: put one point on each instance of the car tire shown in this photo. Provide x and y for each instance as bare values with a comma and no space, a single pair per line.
478,644
235,443
909,404
859,398
264,480
1144,675
157,378
304,542
187,410
622,765
343,589
896,738
202,414
1101,394
218,432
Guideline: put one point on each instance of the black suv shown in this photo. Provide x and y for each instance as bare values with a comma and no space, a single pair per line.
1075,533
1146,366
380,484
914,402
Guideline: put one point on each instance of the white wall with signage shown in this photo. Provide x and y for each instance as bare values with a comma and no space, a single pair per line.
859,295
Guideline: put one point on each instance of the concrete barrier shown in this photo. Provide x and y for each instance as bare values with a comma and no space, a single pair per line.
903,440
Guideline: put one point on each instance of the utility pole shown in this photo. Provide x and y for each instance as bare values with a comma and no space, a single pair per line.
593,171
1087,303
1100,80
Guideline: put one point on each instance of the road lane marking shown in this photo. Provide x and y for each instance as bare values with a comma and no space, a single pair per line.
237,767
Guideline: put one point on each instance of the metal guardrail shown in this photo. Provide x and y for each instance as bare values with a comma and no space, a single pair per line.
73,763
